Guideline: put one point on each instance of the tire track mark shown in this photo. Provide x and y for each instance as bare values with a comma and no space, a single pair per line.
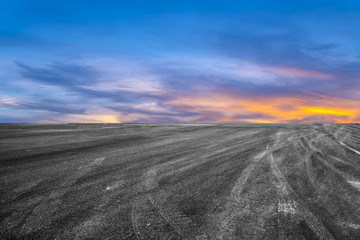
152,217
286,203
346,176
355,184
286,192
348,147
238,188
101,215
15,193
307,159
234,208
343,175
43,215
236,205
18,217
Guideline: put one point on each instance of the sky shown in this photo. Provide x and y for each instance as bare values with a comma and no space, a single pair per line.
156,61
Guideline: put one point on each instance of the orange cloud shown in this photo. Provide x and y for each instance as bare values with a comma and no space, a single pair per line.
93,118
299,73
225,108
100,115
327,111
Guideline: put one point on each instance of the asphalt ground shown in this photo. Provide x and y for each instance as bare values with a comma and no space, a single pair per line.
180,181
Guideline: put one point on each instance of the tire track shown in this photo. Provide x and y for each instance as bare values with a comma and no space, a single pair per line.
286,203
18,191
340,169
307,159
154,218
226,221
260,203
348,147
349,162
101,215
355,184
287,194
238,188
237,205
43,214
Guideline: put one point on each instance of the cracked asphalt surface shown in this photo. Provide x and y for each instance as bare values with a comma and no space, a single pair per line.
180,181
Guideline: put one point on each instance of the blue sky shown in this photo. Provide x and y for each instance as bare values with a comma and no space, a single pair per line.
179,61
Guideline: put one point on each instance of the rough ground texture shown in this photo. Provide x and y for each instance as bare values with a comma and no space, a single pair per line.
210,181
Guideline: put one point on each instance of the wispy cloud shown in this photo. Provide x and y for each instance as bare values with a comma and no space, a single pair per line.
289,72
212,90
269,108
279,63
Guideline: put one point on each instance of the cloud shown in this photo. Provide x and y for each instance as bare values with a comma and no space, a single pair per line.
323,119
67,75
94,79
97,90
183,89
215,67
51,106
292,47
236,62
124,76
288,72
269,108
98,116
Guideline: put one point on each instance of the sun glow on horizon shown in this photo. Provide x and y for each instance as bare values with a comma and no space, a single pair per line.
184,62
328,111
225,108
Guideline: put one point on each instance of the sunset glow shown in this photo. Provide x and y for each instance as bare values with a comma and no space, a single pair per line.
299,73
228,109
184,62
328,111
